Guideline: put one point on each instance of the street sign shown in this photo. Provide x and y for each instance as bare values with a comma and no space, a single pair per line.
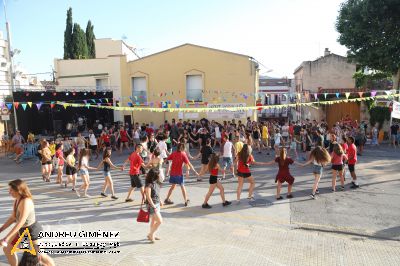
5,117
4,111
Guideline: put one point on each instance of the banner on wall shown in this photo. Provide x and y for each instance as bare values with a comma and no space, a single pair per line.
396,110
191,115
225,114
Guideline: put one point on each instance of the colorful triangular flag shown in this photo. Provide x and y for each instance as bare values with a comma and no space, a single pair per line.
16,104
38,105
347,95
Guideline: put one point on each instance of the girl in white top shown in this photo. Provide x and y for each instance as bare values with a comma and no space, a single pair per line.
293,146
80,142
83,166
93,143
136,136
217,134
277,141
285,132
227,157
162,147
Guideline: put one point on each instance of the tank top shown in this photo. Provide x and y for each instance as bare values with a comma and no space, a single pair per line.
124,136
30,219
157,165
256,134
214,172
106,166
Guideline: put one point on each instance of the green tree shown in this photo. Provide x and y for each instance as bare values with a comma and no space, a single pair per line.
370,30
90,40
80,49
68,50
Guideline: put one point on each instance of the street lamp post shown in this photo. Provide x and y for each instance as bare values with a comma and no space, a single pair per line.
10,55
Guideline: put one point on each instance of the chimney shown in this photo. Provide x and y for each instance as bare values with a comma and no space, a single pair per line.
327,52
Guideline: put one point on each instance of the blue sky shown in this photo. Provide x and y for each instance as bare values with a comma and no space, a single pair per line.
278,33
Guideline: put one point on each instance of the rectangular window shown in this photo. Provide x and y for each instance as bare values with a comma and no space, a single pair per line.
139,90
101,84
194,88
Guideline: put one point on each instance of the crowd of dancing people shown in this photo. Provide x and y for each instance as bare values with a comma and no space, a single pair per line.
158,154
302,143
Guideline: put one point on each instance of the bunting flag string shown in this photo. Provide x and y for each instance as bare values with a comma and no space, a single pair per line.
167,106
139,103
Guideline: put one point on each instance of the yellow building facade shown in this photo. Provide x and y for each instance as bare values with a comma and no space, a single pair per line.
191,76
187,76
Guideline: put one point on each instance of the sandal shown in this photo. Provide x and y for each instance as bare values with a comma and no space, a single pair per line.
168,202
187,203
280,197
289,196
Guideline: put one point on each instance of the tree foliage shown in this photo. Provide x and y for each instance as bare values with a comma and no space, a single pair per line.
77,43
378,80
370,29
90,40
379,114
80,49
68,36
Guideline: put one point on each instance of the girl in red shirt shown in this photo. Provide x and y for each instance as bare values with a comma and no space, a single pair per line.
124,139
283,173
243,161
105,137
215,181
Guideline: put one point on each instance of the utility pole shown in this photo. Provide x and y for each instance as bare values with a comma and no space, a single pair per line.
10,55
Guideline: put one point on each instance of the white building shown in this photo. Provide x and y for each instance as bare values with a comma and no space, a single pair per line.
103,73
275,91
4,67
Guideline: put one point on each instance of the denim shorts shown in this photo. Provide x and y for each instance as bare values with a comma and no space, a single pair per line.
83,172
106,173
178,180
227,161
152,210
317,169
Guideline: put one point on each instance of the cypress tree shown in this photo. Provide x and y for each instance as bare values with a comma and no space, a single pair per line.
68,50
90,40
80,50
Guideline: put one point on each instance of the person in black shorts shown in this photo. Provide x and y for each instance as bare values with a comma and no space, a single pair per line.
136,162
215,181
205,153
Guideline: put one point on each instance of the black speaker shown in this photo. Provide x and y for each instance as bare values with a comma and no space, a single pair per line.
57,125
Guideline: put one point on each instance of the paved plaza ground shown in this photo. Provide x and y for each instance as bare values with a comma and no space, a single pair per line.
353,227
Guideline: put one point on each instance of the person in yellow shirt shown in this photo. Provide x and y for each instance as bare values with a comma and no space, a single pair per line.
238,145
265,135
52,148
